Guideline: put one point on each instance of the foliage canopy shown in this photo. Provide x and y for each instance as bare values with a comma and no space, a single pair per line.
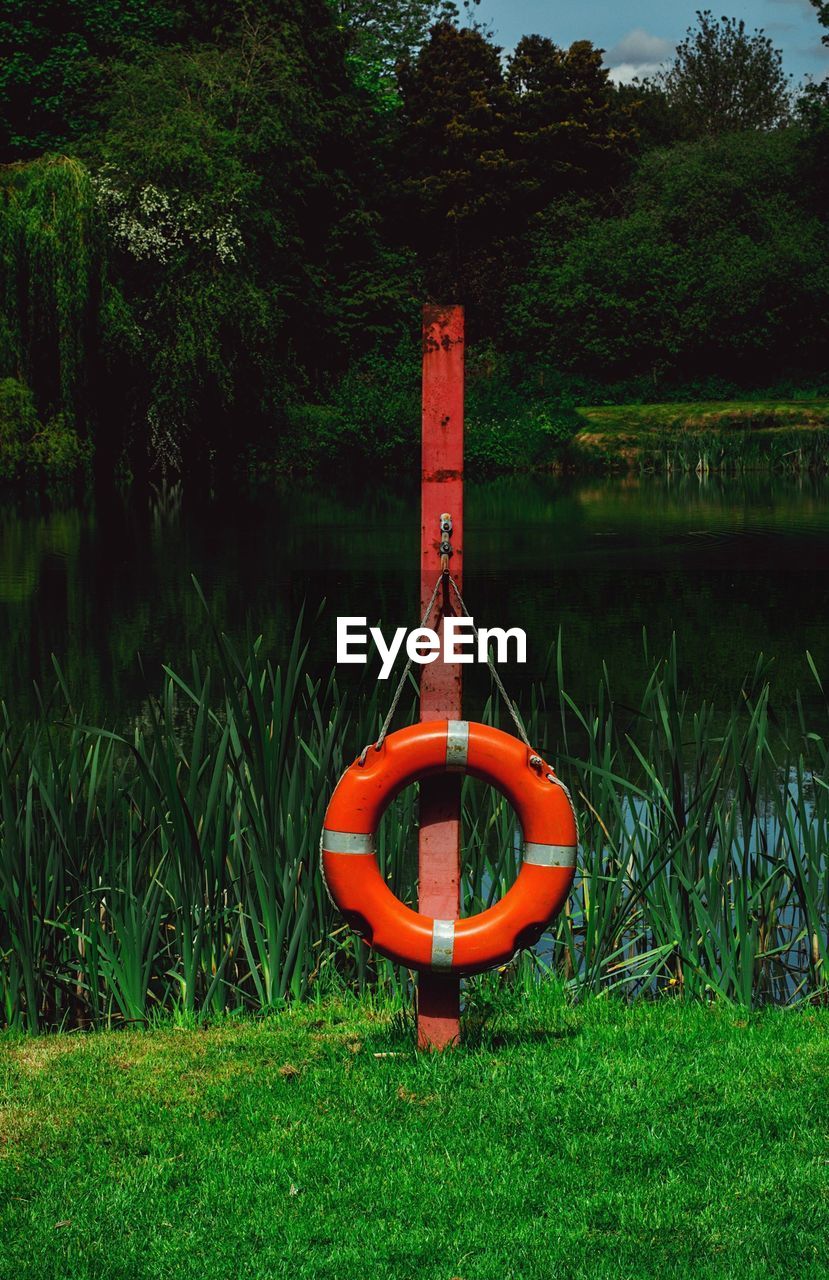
216,214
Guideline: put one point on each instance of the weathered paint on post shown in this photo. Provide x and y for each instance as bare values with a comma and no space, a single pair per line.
438,1014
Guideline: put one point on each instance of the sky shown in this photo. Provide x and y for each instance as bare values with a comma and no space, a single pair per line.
639,35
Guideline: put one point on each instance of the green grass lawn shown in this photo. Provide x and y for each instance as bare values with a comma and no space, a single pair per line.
647,419
625,431
652,1141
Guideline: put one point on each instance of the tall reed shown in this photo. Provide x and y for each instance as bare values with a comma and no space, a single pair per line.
176,867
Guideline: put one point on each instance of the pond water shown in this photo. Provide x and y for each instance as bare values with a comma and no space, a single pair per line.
733,566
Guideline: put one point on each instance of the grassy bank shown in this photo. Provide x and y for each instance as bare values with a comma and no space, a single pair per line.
652,1141
509,429
711,435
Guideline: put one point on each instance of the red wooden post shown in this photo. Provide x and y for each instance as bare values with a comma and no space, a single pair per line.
438,1011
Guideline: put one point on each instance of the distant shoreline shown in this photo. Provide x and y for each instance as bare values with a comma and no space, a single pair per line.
713,435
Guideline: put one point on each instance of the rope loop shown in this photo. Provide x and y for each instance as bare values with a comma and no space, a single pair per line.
499,684
390,715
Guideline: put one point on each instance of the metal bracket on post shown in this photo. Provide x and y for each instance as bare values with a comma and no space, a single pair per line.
445,548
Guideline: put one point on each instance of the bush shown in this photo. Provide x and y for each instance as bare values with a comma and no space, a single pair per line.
373,416
57,451
378,404
53,450
716,273
530,436
18,423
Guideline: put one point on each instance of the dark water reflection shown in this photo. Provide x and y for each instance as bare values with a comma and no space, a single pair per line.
734,566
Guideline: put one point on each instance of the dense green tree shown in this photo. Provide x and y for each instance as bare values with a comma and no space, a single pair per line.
567,136
384,33
232,171
51,52
813,114
483,150
234,177
655,121
456,171
716,271
723,79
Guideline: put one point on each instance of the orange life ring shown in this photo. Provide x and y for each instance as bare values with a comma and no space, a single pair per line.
542,805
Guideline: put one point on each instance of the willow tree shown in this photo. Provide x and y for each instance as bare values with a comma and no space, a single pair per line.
51,272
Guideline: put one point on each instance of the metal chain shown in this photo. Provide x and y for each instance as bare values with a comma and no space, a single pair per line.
511,707
398,691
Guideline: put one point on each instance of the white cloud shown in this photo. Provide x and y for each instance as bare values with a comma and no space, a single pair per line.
626,72
637,56
640,48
